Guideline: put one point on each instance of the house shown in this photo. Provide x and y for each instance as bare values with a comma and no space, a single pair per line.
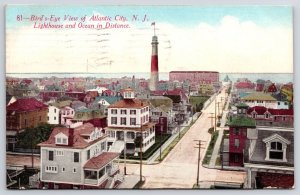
271,89
54,111
260,99
269,158
128,119
288,90
46,96
264,99
76,95
206,88
21,114
282,101
272,117
77,158
239,125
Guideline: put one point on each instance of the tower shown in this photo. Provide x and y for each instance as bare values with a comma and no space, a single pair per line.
154,63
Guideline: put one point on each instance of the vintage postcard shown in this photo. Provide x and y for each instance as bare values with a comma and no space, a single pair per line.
149,97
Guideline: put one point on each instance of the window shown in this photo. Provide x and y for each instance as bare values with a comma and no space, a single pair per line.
58,140
285,103
50,155
132,112
114,111
132,121
276,151
88,154
253,115
236,131
25,121
123,121
59,152
147,108
236,143
55,118
114,120
123,111
64,140
283,118
74,170
40,118
103,146
236,158
51,169
76,156
278,103
54,110
63,169
267,115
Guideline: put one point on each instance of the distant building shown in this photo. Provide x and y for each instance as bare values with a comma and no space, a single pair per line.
194,76
269,158
54,111
127,120
77,158
21,114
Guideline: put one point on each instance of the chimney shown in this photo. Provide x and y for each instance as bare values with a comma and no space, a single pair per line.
71,137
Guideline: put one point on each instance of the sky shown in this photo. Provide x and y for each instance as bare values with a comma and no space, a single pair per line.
212,38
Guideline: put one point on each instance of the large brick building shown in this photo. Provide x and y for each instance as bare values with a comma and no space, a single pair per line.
194,76
22,114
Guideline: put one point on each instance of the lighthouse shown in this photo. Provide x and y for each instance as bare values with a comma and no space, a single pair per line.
154,63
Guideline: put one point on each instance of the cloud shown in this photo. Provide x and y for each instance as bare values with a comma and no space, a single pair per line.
230,46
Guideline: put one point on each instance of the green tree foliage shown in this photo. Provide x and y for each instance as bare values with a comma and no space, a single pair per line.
33,136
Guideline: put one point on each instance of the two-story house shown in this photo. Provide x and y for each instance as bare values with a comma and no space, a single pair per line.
128,119
77,158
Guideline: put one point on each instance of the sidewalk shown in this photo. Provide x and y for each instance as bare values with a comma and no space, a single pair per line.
129,182
215,153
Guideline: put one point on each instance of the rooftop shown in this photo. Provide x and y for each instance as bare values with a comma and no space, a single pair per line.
100,161
241,121
26,104
259,96
129,103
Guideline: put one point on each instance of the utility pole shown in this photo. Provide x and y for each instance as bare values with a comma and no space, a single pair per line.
141,155
125,134
215,115
211,121
160,142
198,168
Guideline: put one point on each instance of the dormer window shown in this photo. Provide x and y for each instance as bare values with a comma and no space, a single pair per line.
276,148
267,115
61,139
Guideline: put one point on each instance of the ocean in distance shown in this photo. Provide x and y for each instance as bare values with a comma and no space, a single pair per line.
274,77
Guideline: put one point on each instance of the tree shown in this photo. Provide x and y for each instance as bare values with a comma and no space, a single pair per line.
33,136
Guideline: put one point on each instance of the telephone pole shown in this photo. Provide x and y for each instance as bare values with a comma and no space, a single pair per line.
199,151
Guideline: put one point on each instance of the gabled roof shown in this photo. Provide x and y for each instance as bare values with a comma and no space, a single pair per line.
276,137
77,142
259,96
61,104
26,104
261,110
109,99
100,161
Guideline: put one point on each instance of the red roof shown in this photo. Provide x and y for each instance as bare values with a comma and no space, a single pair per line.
77,142
26,104
100,161
129,103
244,85
260,87
108,92
272,88
260,110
